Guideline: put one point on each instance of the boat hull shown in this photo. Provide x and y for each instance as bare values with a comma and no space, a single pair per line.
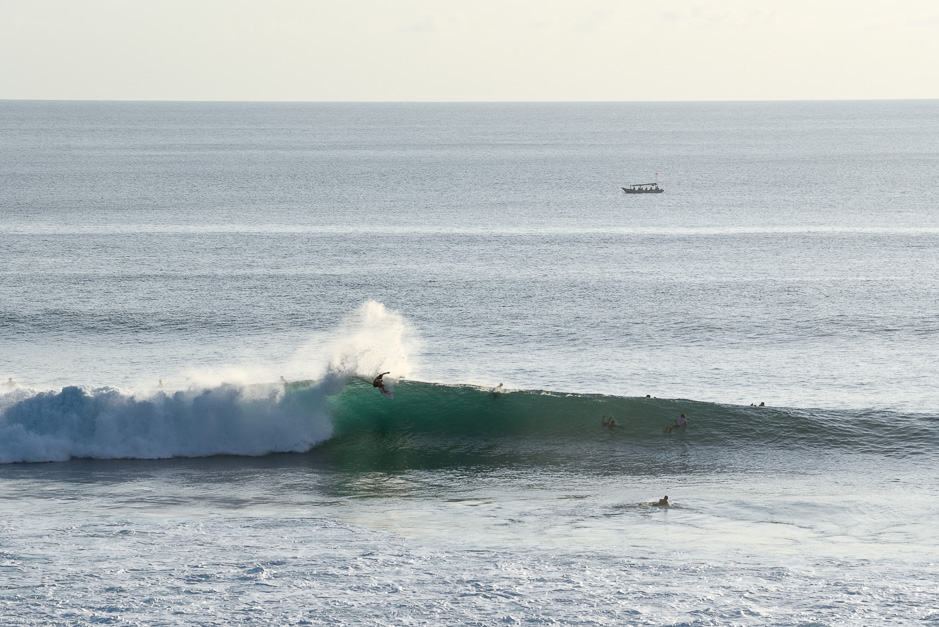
626,190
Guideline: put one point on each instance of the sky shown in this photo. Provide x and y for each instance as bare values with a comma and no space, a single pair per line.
469,50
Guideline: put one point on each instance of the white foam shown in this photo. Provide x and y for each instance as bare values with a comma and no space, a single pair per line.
239,409
107,424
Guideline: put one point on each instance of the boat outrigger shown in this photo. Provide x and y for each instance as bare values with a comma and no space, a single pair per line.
643,188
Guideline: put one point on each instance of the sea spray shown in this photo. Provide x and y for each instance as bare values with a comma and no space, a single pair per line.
367,340
373,339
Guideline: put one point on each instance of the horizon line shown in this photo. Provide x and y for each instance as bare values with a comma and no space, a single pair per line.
699,101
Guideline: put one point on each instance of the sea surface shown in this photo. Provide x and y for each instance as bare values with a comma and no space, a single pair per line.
195,298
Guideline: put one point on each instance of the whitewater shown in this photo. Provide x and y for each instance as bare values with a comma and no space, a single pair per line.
195,298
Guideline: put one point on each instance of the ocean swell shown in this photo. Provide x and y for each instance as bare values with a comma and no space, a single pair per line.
346,414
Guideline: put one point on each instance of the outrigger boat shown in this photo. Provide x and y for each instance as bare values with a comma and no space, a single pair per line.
643,188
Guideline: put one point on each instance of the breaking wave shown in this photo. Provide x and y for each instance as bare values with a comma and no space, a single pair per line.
106,424
346,414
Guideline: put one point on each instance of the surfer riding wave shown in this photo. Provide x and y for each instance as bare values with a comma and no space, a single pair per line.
377,382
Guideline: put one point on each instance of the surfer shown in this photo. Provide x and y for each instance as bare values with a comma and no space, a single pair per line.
609,423
378,383
11,383
496,391
662,502
681,421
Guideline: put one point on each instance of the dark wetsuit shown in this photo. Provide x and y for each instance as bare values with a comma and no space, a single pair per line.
378,383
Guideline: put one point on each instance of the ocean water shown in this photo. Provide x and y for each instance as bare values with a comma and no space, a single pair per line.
195,297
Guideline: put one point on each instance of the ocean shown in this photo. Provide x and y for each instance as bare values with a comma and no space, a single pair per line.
195,298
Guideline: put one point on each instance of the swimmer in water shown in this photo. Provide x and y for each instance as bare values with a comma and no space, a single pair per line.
681,421
609,423
662,502
378,383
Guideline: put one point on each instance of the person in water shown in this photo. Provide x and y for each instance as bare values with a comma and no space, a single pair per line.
662,502
681,421
496,391
609,423
378,383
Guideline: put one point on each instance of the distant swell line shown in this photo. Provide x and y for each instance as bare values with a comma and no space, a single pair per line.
411,229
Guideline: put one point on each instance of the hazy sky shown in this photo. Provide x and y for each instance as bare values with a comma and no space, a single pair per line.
469,50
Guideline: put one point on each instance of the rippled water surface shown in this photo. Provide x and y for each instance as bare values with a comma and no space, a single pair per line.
194,298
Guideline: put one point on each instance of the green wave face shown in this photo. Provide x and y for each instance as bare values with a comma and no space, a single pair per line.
432,426
470,411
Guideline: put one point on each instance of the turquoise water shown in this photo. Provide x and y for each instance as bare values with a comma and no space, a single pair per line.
166,265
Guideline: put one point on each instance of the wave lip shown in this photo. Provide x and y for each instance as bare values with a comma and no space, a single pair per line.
106,424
